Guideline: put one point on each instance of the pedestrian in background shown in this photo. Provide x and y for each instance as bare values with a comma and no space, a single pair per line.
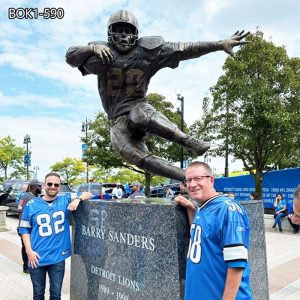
280,211
117,192
24,189
45,230
169,193
182,190
296,206
217,260
290,216
136,191
231,195
34,189
254,196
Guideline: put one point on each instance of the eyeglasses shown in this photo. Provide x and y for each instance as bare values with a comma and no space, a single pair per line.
196,179
55,184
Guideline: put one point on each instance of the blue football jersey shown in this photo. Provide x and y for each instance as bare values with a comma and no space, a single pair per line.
49,228
220,239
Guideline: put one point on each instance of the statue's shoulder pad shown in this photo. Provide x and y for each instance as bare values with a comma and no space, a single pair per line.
150,42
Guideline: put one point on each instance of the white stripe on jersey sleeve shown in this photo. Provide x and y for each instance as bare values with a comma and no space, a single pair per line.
25,224
235,253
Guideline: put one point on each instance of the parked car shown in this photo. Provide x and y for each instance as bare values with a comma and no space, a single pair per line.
7,188
13,192
98,190
2,195
65,189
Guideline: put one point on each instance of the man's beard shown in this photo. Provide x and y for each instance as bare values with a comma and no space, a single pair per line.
51,193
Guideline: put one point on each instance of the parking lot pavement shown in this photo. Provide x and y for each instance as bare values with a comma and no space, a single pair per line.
283,258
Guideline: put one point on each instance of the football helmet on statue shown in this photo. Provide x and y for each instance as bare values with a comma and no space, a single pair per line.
122,30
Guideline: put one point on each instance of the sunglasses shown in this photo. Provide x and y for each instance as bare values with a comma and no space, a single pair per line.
55,184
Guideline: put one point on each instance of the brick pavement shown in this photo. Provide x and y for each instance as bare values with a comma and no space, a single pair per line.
14,284
283,256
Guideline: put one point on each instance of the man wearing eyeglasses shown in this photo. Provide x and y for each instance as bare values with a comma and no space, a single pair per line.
217,262
45,230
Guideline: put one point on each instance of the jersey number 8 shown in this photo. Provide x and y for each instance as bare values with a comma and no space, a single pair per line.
194,252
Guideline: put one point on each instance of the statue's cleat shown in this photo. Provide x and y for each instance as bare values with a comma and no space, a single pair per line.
196,147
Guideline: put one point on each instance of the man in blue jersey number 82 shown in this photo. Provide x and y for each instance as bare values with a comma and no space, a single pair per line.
217,262
45,230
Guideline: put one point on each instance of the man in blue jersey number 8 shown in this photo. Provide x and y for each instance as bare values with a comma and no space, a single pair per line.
217,262
45,230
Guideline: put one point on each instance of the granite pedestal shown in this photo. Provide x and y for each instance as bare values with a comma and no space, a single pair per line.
3,226
129,250
258,254
138,250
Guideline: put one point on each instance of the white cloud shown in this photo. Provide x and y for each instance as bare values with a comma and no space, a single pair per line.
213,7
51,139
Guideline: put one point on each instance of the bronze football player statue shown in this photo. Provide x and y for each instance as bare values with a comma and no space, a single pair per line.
124,66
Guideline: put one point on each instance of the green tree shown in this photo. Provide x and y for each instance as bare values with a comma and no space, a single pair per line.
254,111
100,153
11,156
69,169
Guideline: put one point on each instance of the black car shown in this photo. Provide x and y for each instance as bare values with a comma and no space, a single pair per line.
3,195
6,188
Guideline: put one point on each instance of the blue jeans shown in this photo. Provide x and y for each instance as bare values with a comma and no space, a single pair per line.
56,274
278,219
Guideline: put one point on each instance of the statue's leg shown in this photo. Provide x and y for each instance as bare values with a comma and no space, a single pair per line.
135,151
146,117
159,166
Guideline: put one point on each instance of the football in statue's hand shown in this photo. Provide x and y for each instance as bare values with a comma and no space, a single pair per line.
94,65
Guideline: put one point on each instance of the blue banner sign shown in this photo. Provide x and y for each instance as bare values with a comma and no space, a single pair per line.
27,159
283,181
83,147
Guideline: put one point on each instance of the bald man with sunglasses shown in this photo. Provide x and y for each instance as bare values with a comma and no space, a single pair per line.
45,230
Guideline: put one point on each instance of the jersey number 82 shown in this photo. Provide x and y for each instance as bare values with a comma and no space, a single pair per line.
44,222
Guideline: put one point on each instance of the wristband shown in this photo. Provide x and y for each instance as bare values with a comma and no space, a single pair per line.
77,198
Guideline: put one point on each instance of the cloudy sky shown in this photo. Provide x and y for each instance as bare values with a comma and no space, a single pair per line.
42,96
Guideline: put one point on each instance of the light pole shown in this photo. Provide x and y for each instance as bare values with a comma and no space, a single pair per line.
84,129
36,168
181,99
226,171
27,160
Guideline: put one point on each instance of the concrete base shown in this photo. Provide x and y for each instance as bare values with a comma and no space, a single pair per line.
3,226
269,221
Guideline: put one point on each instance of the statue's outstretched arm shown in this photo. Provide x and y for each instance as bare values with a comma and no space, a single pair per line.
194,50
